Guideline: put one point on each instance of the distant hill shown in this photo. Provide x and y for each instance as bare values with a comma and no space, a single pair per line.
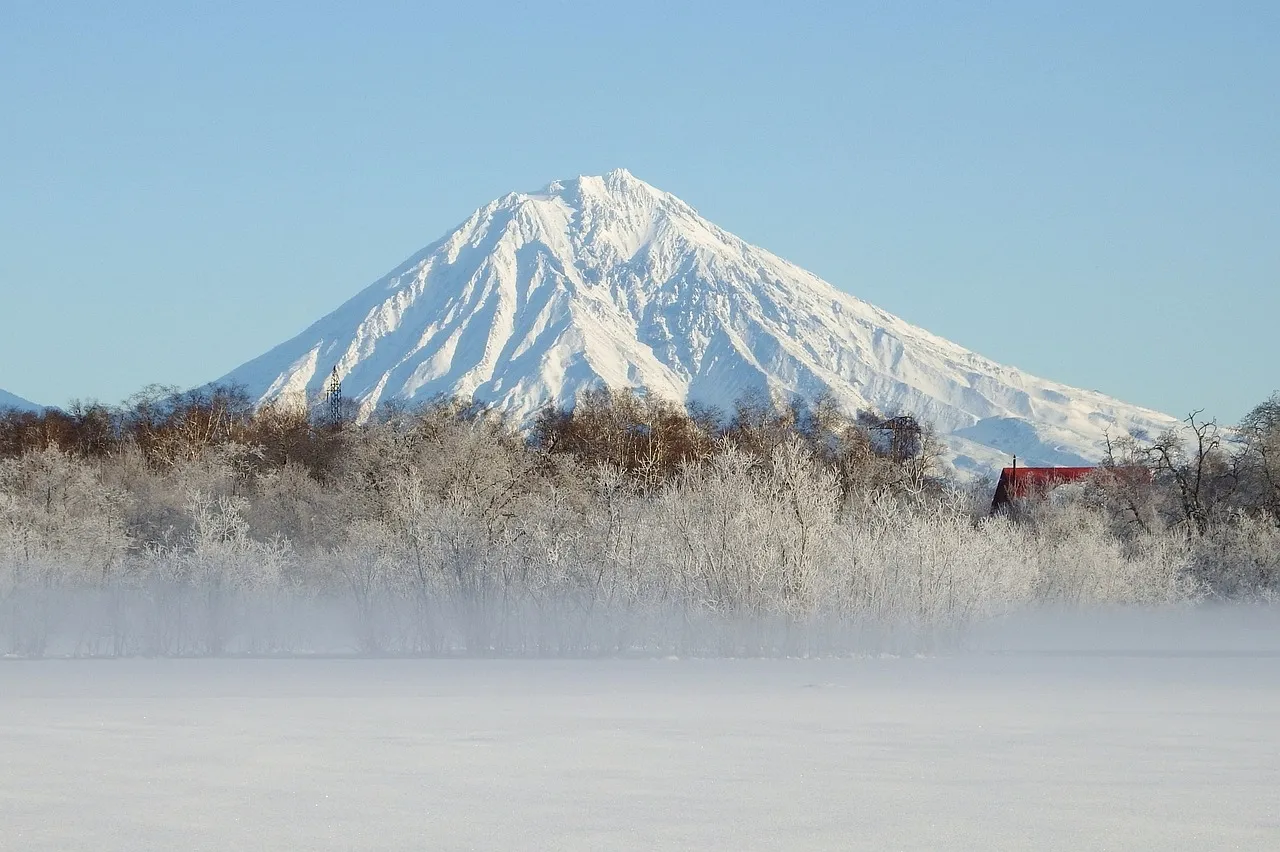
9,400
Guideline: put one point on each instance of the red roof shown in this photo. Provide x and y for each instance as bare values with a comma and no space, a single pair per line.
1018,482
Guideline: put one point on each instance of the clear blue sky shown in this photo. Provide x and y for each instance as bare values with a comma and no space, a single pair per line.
1088,191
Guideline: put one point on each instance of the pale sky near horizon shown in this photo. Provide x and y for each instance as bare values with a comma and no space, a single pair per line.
1087,191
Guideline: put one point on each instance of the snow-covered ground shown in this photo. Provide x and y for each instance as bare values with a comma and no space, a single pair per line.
1133,748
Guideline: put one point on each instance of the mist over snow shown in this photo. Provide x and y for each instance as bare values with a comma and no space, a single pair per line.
982,753
608,280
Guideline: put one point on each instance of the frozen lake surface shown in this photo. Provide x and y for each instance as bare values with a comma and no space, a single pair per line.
980,751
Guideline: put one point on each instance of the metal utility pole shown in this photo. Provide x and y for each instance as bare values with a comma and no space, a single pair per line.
333,396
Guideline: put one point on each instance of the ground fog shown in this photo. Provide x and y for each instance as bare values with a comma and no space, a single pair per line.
1083,733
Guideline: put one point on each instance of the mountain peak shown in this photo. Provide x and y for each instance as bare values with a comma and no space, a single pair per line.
608,280
623,181
616,185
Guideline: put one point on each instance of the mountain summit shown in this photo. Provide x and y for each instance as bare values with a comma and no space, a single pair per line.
606,279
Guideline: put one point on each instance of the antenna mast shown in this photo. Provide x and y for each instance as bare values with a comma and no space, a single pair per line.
333,396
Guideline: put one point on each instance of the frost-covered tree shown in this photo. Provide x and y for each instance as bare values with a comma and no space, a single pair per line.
196,525
60,533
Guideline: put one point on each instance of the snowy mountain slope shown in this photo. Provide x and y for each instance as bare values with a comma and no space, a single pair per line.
607,279
9,400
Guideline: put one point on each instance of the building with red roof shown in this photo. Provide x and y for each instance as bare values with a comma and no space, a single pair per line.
1028,482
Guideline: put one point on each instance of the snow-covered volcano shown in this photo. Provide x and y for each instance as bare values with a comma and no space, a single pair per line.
610,280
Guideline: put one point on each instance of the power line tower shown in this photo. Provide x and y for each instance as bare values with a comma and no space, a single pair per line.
333,397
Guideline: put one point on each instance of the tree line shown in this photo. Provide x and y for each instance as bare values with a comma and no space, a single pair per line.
196,523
